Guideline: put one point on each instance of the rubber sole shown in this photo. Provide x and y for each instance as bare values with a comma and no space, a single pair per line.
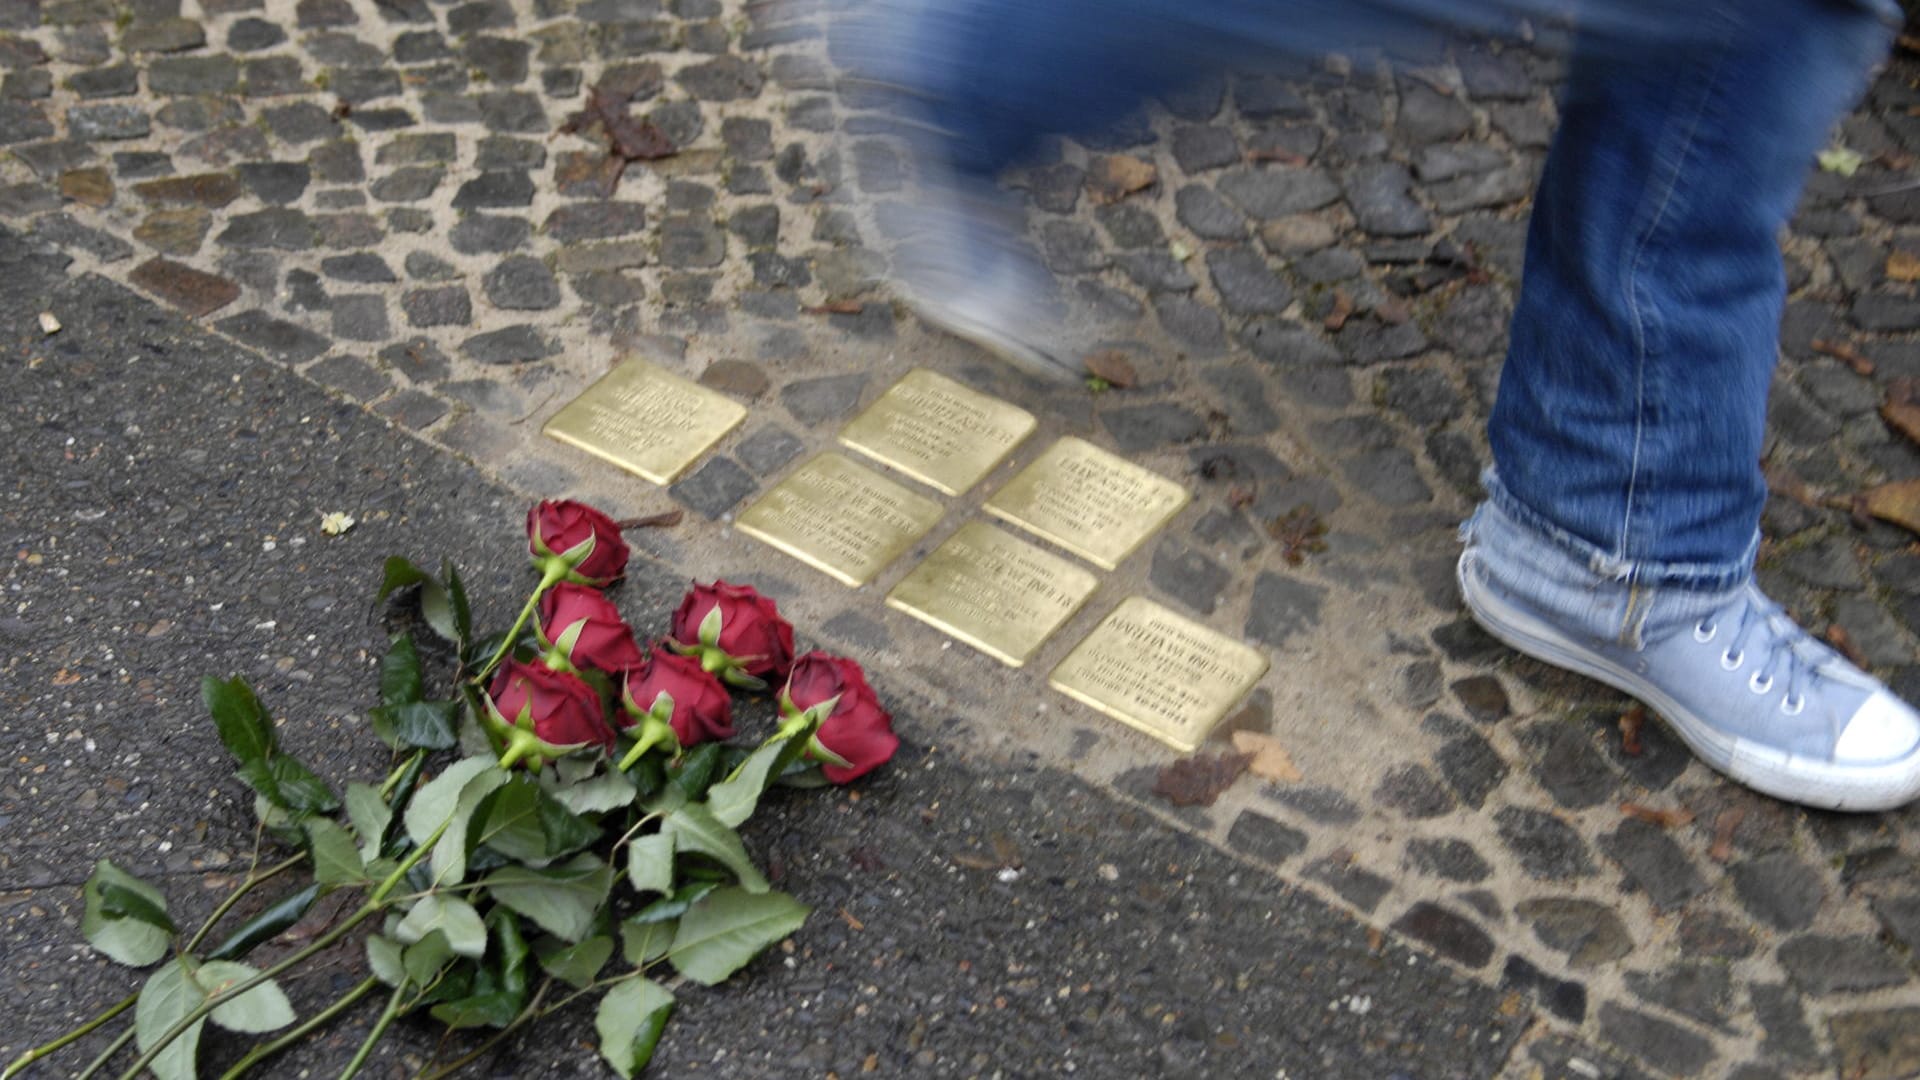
1767,770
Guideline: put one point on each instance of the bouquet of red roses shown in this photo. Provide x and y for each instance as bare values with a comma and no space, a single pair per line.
593,815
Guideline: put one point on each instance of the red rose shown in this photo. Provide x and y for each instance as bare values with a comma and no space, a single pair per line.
559,709
586,628
858,729
583,538
701,708
735,631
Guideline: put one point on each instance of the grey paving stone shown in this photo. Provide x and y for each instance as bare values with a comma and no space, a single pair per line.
409,184
768,450
1242,396
1588,933
494,190
121,80
1453,860
596,221
1715,935
724,78
63,231
607,288
817,401
351,375
1467,761
507,152
1877,1044
105,123
193,75
715,487
1788,1039
1547,847
1360,887
1661,1043
362,268
1245,283
277,228
1448,933
1282,607
337,162
1414,792
1564,998
1779,889
1568,765
1378,195
1209,216
254,35
361,318
522,283
447,306
508,345
1055,188
275,182
1072,247
1701,991
1260,837
1138,428
1279,191
1200,148
1324,805
1190,323
414,409
281,340
691,242
1157,271
1188,576
1129,226
1823,964
418,358
483,234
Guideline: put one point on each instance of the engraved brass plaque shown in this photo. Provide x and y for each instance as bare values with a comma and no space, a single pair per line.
840,518
1095,504
937,431
994,591
646,420
1159,671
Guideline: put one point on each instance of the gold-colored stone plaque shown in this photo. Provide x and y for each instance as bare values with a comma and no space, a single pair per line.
994,591
840,518
1095,504
647,420
937,431
1159,671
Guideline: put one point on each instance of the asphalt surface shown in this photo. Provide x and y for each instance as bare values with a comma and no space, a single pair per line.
974,917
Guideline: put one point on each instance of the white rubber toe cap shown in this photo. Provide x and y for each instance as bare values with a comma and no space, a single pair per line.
1884,729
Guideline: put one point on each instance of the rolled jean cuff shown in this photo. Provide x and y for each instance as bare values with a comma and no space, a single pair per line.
1689,576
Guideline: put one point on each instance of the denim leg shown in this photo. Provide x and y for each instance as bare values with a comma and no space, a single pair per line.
1631,409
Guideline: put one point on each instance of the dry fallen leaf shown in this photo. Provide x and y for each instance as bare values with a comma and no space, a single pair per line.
1898,502
1846,354
1903,266
1199,780
1842,643
1111,366
1342,311
1275,153
664,520
1631,722
1783,482
1116,176
1300,533
1903,417
1270,760
1666,819
1723,827
1393,311
836,307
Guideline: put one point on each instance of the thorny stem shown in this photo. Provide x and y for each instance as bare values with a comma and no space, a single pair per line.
267,1049
70,1037
253,881
374,904
106,1055
379,1028
555,571
531,1012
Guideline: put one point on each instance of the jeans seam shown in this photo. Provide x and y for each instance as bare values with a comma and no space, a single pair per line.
1635,303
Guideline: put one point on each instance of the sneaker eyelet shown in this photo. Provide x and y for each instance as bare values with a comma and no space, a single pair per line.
1731,660
1793,706
1703,633
1760,685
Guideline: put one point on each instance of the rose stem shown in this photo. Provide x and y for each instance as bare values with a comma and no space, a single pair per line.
267,1049
379,1028
555,571
375,902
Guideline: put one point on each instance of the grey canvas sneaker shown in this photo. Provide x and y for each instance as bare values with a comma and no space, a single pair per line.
1751,693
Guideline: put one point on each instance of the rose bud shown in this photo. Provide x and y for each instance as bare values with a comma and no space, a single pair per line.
573,541
539,713
735,633
584,629
857,735
672,696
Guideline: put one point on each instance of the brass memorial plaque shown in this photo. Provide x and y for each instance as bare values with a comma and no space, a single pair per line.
994,591
1095,504
840,518
937,431
647,420
1161,672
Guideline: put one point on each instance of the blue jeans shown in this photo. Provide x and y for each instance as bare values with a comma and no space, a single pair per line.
1629,421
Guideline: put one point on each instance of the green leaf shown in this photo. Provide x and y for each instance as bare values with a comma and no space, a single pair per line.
384,957
672,907
451,798
400,680
629,1021
696,769
494,1009
125,918
262,1009
244,726
424,959
170,993
393,837
694,829
509,822
575,965
267,925
728,928
510,959
650,863
466,935
300,790
733,800
596,794
369,814
336,859
644,942
426,725
566,831
562,900
400,574
457,599
499,989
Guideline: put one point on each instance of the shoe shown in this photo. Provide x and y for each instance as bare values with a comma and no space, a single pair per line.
1749,692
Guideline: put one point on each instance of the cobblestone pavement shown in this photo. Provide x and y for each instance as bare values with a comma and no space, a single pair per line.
1312,283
